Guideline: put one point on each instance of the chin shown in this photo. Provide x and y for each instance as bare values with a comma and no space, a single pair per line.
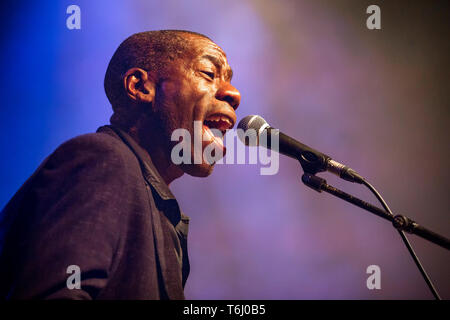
198,170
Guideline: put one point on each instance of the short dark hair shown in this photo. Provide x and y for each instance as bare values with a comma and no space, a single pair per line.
149,50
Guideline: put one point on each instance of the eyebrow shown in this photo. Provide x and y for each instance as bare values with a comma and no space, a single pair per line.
216,61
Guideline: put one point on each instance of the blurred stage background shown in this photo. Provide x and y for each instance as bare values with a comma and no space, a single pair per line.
377,100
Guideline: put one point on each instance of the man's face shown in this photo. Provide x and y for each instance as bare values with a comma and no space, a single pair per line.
197,88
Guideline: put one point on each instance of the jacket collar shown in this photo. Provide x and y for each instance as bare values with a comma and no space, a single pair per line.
149,171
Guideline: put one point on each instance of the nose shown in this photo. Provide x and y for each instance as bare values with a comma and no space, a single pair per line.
229,94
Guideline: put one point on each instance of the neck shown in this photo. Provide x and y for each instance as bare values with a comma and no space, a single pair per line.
157,150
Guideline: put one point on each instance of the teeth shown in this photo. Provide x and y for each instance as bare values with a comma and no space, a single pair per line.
218,118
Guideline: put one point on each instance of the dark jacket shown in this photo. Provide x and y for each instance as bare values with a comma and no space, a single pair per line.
97,203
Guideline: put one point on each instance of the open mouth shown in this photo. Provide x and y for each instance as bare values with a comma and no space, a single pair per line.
217,121
220,122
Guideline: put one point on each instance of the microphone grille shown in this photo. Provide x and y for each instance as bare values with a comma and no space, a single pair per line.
250,128
252,122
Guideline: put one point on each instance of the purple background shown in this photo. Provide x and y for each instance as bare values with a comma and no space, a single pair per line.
378,100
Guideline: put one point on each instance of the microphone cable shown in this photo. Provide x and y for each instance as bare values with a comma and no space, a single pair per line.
405,240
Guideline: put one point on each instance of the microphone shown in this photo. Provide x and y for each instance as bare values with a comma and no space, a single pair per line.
258,132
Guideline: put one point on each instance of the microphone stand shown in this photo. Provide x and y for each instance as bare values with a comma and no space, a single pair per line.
400,222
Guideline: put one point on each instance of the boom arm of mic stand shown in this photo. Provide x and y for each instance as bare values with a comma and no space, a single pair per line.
400,222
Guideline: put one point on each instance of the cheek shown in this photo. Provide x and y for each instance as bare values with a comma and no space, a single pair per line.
174,101
171,93
186,100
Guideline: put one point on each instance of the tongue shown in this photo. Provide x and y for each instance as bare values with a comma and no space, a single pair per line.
209,137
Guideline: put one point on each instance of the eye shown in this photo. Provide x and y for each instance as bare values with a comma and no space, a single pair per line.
210,75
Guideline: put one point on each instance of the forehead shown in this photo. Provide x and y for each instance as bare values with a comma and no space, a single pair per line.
204,47
206,50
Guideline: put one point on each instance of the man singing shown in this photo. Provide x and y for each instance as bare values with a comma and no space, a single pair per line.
97,219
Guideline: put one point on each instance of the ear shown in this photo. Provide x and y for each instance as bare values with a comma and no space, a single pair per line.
139,86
